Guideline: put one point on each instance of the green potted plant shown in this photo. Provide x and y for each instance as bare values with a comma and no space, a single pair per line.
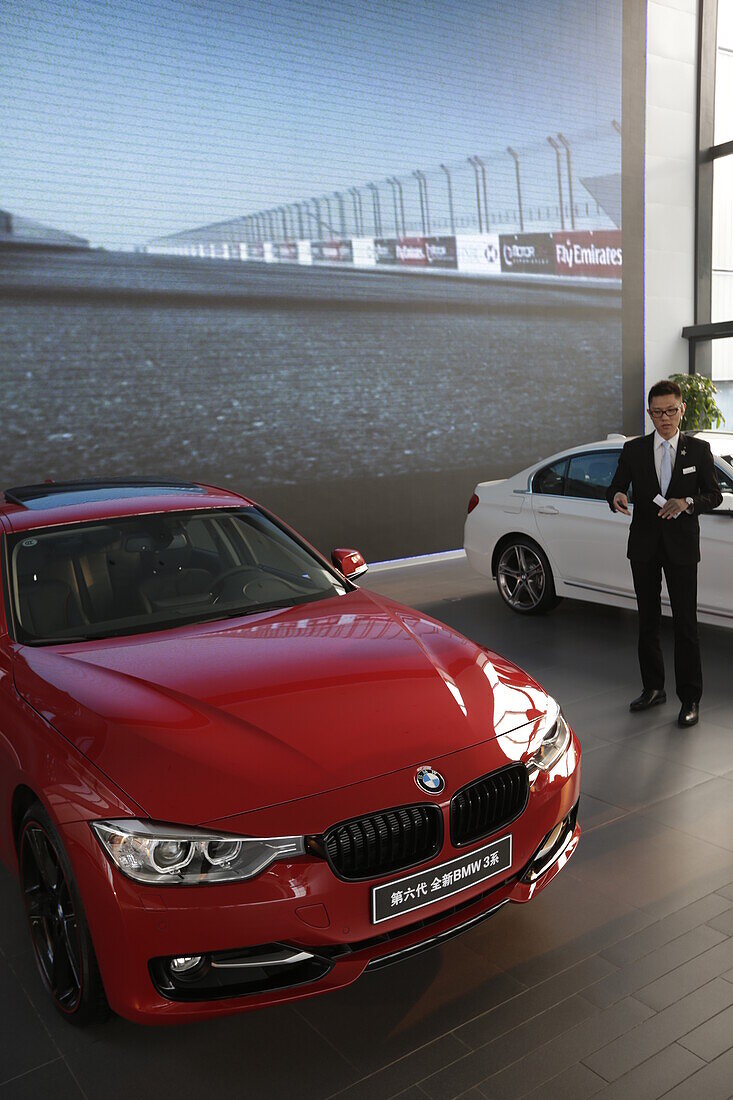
698,393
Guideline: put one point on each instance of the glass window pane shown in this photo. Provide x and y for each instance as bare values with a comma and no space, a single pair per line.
722,232
724,74
722,355
551,480
590,475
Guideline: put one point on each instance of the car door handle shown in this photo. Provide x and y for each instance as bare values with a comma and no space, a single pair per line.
548,510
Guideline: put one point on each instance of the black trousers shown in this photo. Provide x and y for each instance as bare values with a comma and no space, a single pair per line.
682,588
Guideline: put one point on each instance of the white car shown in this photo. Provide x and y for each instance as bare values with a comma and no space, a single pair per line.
548,532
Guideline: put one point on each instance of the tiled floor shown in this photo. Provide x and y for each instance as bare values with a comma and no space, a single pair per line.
616,982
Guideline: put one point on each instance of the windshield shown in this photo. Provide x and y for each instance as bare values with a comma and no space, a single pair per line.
142,573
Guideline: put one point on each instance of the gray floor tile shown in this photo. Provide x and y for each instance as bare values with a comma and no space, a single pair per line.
24,1043
660,1030
713,1082
642,862
706,747
394,1079
724,922
52,1080
688,977
667,929
573,1045
558,929
633,779
526,1005
606,717
640,973
595,811
13,927
576,1083
712,1038
495,1056
266,1052
389,1013
704,811
654,1077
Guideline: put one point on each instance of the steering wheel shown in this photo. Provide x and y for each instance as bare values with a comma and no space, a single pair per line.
233,583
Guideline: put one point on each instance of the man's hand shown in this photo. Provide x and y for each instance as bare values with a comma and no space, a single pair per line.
673,507
621,504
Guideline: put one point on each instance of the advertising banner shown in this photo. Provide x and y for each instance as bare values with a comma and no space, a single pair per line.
269,255
304,252
242,251
286,250
364,252
332,252
256,251
479,253
441,252
527,253
411,251
385,250
590,253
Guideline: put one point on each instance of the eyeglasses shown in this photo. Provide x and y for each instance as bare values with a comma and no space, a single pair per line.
657,414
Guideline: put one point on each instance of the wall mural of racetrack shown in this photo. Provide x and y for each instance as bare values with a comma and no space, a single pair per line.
346,259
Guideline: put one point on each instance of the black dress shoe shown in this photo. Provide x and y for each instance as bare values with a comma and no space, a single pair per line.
689,715
650,697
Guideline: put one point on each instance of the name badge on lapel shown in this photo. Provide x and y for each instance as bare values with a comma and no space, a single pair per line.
689,469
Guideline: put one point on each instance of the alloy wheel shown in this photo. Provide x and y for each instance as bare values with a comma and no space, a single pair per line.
521,577
52,917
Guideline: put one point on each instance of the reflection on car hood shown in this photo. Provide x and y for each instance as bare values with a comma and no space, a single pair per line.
202,722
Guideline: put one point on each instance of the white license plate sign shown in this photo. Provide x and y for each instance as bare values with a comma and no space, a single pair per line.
402,895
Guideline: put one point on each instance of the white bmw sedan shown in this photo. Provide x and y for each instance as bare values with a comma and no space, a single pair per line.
548,532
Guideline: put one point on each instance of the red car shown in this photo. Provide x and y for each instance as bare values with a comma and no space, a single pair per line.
229,777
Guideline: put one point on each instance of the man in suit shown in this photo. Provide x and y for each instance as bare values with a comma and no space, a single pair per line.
673,481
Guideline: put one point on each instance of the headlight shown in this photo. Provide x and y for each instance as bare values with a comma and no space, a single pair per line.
554,743
173,855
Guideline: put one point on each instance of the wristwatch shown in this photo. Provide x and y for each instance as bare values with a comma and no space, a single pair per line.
690,505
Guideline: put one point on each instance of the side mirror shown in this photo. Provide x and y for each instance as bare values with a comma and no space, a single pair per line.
349,562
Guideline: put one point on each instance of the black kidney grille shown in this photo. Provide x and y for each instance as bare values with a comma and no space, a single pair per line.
367,847
488,804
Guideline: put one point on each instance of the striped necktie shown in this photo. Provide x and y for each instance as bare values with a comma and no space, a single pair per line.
665,475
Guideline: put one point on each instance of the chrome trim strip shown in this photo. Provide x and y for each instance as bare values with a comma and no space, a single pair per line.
533,874
275,958
702,609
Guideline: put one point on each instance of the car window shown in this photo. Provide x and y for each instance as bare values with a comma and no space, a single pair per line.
589,475
134,574
725,479
551,479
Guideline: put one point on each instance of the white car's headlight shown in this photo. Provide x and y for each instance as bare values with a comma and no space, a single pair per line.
554,742
176,855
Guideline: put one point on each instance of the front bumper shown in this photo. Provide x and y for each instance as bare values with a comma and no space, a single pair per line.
301,907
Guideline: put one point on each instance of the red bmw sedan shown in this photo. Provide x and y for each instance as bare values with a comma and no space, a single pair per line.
229,777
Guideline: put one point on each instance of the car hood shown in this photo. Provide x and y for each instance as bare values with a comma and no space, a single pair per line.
204,722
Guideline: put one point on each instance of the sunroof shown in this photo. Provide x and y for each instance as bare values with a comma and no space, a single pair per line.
65,494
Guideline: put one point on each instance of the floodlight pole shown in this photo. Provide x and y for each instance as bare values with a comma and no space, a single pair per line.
566,145
515,157
556,147
450,199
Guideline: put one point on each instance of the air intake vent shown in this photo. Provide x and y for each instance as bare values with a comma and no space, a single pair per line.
368,847
488,804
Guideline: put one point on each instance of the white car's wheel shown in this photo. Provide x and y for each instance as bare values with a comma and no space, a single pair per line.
524,578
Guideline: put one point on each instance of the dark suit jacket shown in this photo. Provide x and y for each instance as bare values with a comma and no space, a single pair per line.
680,538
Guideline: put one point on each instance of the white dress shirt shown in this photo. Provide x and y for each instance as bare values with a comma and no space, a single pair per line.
659,451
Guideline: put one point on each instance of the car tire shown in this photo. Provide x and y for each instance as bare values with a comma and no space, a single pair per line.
524,578
59,932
